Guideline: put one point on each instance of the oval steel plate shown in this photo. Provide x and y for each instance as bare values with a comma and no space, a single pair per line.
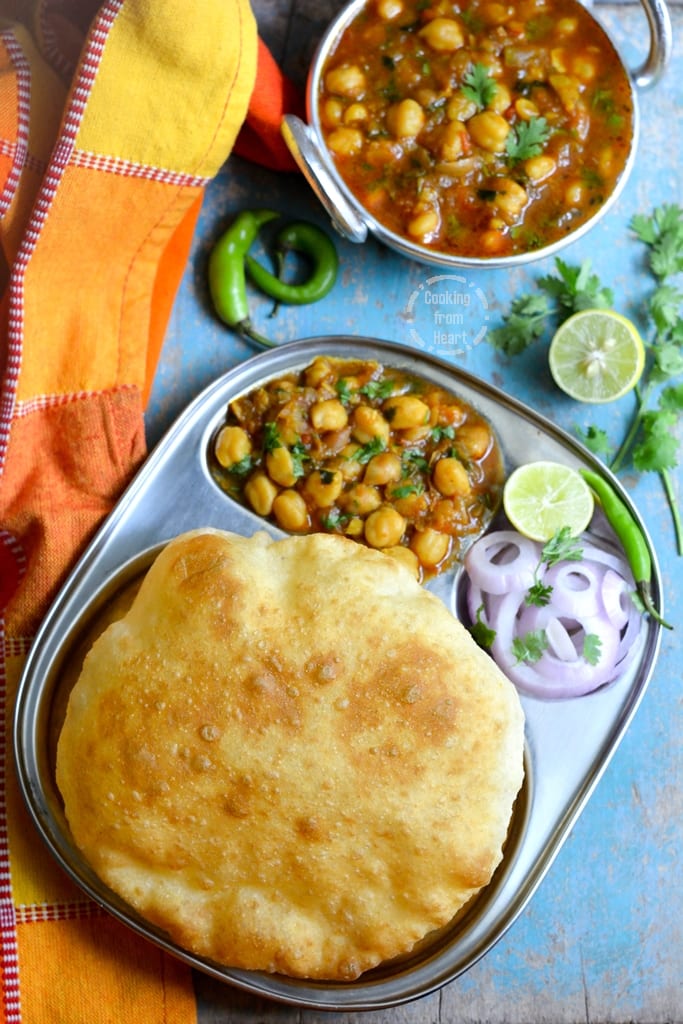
568,743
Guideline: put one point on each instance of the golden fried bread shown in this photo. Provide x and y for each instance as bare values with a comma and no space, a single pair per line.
289,755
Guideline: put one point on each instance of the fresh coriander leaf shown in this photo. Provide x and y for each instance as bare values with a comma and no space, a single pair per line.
343,391
478,85
671,398
334,519
662,231
481,633
377,389
538,594
366,451
403,490
592,645
667,362
299,456
439,433
271,437
523,325
665,306
562,547
658,448
414,460
242,467
531,646
576,288
595,439
527,139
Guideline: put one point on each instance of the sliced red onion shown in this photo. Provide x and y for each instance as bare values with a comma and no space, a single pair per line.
499,561
591,596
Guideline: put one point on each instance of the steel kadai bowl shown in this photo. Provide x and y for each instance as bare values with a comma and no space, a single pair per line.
355,221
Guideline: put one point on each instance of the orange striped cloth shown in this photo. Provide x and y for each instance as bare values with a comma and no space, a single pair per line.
113,117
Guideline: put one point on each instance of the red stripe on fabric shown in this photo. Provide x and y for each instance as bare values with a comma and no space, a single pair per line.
129,169
42,912
9,953
23,409
23,107
17,646
60,158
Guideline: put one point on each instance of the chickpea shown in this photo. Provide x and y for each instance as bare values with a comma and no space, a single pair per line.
430,546
348,80
443,34
566,26
406,119
406,557
511,198
319,372
460,108
405,411
453,141
606,160
355,112
574,194
411,506
382,469
260,492
489,130
280,466
332,112
423,224
347,463
473,440
526,109
345,141
538,168
495,13
354,527
583,67
501,99
360,500
323,487
450,477
368,424
389,9
492,240
384,527
416,434
290,511
232,445
329,414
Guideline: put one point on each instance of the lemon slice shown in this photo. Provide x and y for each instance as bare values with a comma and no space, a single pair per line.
596,355
541,498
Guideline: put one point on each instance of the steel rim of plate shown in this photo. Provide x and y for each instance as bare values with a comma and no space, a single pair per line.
374,990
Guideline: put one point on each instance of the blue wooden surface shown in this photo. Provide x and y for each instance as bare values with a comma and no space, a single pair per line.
601,940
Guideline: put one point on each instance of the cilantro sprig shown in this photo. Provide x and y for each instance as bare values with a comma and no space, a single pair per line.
478,85
527,139
562,547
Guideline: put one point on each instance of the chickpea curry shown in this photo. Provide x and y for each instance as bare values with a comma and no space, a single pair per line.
371,452
481,128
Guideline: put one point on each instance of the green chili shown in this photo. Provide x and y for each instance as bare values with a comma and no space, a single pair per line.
312,242
631,537
227,280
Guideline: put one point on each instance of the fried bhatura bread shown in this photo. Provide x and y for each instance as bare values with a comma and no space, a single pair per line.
289,755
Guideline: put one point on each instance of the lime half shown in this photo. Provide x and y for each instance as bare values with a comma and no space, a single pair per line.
541,498
596,355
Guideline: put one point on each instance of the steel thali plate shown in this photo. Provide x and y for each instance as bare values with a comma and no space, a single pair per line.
568,743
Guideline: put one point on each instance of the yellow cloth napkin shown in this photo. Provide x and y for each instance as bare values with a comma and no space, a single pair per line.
113,116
